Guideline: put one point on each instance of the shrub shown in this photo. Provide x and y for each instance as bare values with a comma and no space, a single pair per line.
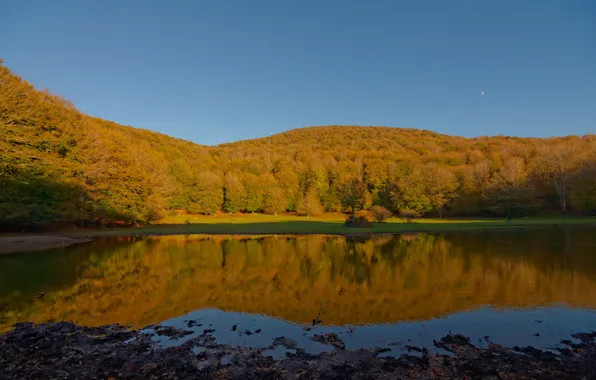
364,214
409,215
357,221
380,213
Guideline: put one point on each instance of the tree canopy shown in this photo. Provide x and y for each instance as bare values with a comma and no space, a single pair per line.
58,164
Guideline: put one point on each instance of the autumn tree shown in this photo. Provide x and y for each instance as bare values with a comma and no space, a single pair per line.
555,165
234,194
206,196
331,199
583,187
409,193
441,185
479,175
310,203
353,196
509,191
275,201
254,190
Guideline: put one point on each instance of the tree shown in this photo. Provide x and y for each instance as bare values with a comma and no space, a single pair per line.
479,174
441,185
330,199
555,165
234,194
275,201
310,203
254,189
508,192
353,195
583,188
409,193
206,196
380,213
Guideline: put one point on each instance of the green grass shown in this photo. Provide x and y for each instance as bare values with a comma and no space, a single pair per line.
327,224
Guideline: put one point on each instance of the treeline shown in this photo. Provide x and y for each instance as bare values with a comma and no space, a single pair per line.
57,164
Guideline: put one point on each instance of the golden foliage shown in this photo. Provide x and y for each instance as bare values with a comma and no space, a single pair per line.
58,164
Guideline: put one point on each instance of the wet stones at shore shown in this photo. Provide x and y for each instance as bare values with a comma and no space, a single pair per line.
171,332
585,337
284,342
453,343
64,350
331,339
190,324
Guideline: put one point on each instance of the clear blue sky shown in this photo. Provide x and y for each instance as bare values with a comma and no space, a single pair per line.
214,71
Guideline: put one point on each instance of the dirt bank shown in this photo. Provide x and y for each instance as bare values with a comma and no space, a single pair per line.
66,351
24,243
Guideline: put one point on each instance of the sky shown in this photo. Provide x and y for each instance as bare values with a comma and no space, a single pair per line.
214,71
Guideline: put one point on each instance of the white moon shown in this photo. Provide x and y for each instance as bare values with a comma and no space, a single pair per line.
482,92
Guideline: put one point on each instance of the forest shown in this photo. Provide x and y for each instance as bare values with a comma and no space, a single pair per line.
58,164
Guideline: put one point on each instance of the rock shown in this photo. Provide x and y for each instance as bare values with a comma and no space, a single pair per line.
284,342
331,339
64,350
172,332
192,323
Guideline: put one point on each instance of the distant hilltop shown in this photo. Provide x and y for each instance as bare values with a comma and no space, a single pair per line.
58,164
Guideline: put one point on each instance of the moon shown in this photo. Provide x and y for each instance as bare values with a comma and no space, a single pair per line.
482,92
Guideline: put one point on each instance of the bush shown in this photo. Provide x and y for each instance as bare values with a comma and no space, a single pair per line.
364,214
357,221
155,210
380,213
408,215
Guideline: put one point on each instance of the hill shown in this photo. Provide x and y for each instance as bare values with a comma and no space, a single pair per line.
58,164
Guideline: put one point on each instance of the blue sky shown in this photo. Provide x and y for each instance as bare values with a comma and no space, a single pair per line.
214,71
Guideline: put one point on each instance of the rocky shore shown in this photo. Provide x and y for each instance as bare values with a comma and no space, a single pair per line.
67,351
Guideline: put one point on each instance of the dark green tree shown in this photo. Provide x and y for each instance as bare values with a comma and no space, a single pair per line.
353,195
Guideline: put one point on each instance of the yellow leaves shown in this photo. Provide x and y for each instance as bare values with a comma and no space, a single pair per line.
137,172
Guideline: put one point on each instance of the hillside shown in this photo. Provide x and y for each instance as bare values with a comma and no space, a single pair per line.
58,164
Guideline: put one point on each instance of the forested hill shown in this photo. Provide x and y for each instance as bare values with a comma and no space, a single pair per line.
57,164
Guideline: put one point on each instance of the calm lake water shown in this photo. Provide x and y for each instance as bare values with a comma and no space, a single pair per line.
516,287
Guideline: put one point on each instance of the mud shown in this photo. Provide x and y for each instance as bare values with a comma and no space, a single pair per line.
67,351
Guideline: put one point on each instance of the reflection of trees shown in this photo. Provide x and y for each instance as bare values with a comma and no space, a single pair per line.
381,279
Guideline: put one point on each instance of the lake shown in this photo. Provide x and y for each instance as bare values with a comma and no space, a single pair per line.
531,287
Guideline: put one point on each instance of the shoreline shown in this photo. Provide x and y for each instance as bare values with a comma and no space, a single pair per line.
40,242
155,232
64,350
28,243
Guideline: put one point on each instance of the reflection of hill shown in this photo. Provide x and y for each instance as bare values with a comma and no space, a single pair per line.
383,279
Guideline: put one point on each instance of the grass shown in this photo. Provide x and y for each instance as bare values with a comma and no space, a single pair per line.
332,224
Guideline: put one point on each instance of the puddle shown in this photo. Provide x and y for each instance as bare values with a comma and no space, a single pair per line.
507,328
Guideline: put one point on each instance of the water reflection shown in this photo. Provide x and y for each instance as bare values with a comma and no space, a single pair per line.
382,279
